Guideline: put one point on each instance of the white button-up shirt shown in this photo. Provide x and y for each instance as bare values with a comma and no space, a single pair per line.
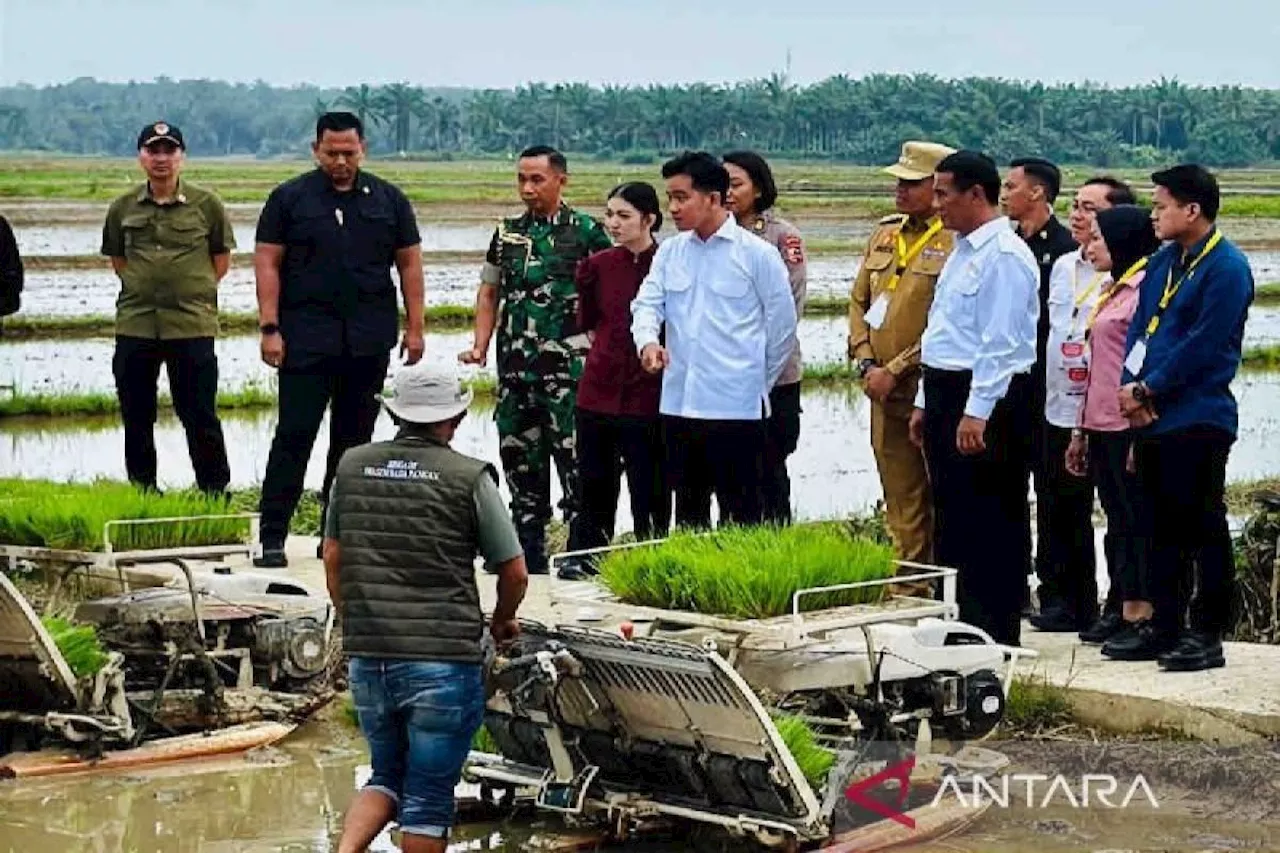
983,318
730,322
1074,288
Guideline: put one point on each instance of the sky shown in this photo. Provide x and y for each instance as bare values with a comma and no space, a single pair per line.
503,43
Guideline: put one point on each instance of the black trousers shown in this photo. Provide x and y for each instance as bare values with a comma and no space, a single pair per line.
979,501
782,436
1121,496
192,367
1183,478
605,446
349,387
724,458
1066,558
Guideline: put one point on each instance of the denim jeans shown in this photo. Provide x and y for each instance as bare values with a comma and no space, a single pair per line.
419,718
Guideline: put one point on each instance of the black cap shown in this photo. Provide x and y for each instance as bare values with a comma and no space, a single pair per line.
161,131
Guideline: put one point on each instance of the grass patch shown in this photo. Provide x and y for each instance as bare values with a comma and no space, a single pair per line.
815,761
1037,705
750,572
1262,357
21,404
78,644
1242,494
81,404
72,516
1267,294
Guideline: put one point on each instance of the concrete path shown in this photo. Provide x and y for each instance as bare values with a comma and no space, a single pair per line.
1236,704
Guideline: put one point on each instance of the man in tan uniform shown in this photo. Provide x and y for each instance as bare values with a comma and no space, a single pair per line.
887,316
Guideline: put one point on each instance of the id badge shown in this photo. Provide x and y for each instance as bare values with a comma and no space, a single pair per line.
875,315
1137,356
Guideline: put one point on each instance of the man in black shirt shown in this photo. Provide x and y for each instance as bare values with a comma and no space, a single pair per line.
11,272
1030,189
326,243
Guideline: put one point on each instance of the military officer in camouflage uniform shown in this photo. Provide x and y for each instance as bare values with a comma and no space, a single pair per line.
887,315
527,291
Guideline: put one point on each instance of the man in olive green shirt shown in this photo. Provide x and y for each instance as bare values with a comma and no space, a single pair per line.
170,244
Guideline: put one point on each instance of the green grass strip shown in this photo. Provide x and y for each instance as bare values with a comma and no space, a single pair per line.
88,404
749,572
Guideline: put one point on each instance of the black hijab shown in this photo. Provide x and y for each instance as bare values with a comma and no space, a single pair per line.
1127,231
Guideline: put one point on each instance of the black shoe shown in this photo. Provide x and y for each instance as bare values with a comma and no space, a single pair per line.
1057,620
272,558
1139,641
1195,651
576,569
1104,629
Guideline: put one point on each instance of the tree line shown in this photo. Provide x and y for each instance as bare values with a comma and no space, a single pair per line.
840,118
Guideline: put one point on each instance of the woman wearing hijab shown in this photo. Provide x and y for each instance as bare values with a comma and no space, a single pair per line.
617,424
1122,239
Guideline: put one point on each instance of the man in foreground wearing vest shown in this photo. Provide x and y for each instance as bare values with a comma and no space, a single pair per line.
406,519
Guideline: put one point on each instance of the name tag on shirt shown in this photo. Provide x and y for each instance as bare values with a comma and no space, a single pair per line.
1137,356
875,315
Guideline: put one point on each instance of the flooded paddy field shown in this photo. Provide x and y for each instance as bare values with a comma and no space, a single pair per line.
61,366
72,292
833,470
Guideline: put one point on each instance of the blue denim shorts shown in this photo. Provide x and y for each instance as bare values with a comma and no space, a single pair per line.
419,718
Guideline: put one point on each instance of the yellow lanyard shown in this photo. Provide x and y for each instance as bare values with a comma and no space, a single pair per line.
1082,298
906,256
1113,290
1171,287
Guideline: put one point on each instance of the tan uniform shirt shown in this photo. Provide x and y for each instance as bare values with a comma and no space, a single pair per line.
896,344
778,232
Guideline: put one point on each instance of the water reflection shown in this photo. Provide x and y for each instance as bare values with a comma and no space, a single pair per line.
50,366
86,238
833,469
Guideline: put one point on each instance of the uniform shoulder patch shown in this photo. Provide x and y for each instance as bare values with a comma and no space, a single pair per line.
893,219
793,249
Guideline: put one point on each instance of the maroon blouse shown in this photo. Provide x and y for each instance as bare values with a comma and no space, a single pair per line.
613,382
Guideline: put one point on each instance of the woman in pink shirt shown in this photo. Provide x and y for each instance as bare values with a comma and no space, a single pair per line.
1100,448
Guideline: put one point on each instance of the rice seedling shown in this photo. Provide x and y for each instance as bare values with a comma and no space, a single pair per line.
78,644
72,516
814,760
483,741
749,572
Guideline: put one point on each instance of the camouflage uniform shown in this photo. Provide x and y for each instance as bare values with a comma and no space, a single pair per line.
541,354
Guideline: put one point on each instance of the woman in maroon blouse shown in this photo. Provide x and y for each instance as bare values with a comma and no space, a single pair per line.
617,408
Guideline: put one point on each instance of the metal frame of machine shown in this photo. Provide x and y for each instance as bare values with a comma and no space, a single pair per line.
609,688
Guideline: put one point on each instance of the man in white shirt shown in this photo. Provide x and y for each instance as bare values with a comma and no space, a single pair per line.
1067,561
973,405
723,299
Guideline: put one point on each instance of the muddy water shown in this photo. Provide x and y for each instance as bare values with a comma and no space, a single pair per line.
67,292
292,799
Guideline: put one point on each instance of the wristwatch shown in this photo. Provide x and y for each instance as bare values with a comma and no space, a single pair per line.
1141,393
269,329
865,366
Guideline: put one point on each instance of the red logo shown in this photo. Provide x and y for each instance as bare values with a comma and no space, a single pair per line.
859,791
